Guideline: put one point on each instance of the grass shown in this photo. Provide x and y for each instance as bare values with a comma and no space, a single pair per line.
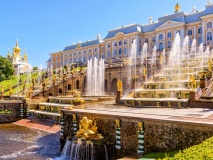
14,81
159,155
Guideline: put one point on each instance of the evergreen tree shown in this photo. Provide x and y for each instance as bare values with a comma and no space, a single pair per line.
6,69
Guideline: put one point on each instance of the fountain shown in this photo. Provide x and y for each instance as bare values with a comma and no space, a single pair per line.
87,144
178,77
95,77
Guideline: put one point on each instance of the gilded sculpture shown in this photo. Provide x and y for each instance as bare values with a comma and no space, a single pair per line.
144,71
140,126
87,128
192,80
118,125
119,85
161,59
177,8
209,65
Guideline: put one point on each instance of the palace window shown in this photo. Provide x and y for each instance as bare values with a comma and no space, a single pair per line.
160,36
133,40
169,35
125,41
108,45
161,46
102,48
120,51
84,59
120,43
115,43
125,52
199,30
178,32
189,32
169,45
199,40
95,49
108,53
209,25
103,56
90,50
209,36
146,40
154,39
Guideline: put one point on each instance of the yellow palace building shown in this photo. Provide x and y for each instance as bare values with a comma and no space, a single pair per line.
117,43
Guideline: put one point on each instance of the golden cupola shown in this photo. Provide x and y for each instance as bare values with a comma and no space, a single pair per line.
16,50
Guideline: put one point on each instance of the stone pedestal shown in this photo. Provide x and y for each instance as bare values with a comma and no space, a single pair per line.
202,83
118,96
192,96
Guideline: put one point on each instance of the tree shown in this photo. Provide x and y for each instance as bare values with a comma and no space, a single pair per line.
6,69
35,68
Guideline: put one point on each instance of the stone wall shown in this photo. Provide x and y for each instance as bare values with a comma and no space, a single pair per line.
159,135
9,112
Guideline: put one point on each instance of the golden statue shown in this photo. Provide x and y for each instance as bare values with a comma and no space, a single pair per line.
11,90
119,85
87,128
118,125
161,59
209,65
144,71
192,80
74,117
177,8
140,126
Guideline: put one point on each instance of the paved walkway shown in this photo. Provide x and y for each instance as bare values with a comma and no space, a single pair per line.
194,115
43,125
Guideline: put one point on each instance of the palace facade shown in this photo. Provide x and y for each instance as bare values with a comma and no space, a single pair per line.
117,43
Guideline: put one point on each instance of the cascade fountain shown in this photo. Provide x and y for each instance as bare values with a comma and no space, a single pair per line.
95,77
87,144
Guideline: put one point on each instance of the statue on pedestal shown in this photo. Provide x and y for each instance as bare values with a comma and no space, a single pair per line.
144,71
192,80
119,85
87,127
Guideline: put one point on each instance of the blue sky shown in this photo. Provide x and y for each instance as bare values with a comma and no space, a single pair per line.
46,26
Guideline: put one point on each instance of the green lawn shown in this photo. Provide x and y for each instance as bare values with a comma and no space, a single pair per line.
14,81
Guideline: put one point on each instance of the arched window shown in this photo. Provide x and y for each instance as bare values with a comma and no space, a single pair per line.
115,43
154,39
160,36
161,46
125,41
169,35
108,53
178,32
169,45
120,51
189,32
209,25
103,56
125,52
120,43
108,45
133,40
146,40
199,40
199,30
209,36
84,59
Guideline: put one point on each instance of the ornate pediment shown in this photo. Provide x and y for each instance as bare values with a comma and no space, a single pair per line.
170,24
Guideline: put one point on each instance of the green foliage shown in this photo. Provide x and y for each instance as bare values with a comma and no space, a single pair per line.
160,155
35,68
203,151
6,69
